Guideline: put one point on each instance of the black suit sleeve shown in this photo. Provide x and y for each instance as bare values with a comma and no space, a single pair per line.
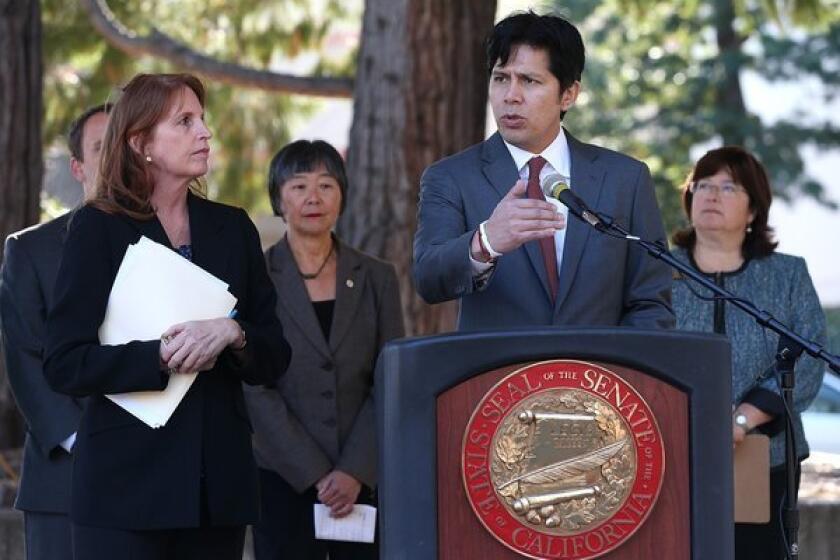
267,354
75,362
50,416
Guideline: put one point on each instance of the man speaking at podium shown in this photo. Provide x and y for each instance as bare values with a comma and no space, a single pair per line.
486,234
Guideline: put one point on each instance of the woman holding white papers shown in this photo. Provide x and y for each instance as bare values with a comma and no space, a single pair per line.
187,489
314,432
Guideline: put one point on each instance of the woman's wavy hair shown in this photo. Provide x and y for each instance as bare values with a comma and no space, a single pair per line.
125,183
748,172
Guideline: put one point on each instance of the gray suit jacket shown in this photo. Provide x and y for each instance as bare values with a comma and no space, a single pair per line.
320,416
29,273
603,281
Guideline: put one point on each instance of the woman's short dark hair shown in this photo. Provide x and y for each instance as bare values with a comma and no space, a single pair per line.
304,156
553,33
748,172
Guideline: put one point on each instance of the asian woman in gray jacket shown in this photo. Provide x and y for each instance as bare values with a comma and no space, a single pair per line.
314,432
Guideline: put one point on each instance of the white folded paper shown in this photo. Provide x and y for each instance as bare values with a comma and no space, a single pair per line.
358,526
156,288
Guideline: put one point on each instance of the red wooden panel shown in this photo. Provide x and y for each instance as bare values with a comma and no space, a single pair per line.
665,534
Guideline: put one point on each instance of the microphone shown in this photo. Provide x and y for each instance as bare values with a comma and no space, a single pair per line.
554,186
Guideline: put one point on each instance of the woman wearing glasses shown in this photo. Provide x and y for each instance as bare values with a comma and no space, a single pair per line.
727,200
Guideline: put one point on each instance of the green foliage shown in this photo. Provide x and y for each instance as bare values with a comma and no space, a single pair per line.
249,126
655,75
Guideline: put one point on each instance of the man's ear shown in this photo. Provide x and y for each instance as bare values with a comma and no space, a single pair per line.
77,169
569,95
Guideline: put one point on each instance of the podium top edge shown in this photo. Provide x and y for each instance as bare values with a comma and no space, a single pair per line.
628,333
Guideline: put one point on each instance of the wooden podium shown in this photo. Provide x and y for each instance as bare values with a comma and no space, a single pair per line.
428,388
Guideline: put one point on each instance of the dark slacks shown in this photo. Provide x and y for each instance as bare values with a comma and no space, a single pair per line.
765,540
47,536
286,530
200,543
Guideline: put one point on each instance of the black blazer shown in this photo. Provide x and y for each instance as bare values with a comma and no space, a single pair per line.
30,266
125,474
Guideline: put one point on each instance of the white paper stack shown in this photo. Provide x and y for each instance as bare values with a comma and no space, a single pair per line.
156,288
358,526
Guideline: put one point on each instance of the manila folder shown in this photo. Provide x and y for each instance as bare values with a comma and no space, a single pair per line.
752,480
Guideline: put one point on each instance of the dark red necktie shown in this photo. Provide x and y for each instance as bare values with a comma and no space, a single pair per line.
549,254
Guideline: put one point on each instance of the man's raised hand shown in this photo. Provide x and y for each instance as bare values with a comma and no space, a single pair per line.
516,220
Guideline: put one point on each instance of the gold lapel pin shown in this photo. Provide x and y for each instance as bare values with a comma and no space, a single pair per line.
349,283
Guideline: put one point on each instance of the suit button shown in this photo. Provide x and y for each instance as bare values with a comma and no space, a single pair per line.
329,422
328,366
327,394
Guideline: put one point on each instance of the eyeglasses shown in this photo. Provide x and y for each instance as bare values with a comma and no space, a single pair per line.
707,187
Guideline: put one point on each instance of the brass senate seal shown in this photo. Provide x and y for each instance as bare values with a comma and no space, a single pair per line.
562,460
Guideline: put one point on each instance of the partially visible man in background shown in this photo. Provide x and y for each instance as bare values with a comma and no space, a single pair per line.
28,275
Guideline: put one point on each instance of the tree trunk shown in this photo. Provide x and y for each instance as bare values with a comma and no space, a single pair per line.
730,97
420,94
20,148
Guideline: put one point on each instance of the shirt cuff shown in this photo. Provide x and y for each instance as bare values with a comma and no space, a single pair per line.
479,268
481,272
68,443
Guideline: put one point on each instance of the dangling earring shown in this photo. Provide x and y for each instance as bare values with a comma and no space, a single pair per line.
749,228
149,159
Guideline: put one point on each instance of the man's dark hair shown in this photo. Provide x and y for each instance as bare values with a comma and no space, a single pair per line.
304,156
553,33
77,127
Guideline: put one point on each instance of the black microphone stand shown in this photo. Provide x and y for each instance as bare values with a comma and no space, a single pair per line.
787,353
791,346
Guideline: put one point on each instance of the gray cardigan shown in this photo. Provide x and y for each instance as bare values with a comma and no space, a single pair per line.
779,284
320,416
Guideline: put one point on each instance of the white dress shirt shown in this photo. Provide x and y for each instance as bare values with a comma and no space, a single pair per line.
68,443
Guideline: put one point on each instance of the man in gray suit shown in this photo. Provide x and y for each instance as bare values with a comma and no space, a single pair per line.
29,272
487,236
